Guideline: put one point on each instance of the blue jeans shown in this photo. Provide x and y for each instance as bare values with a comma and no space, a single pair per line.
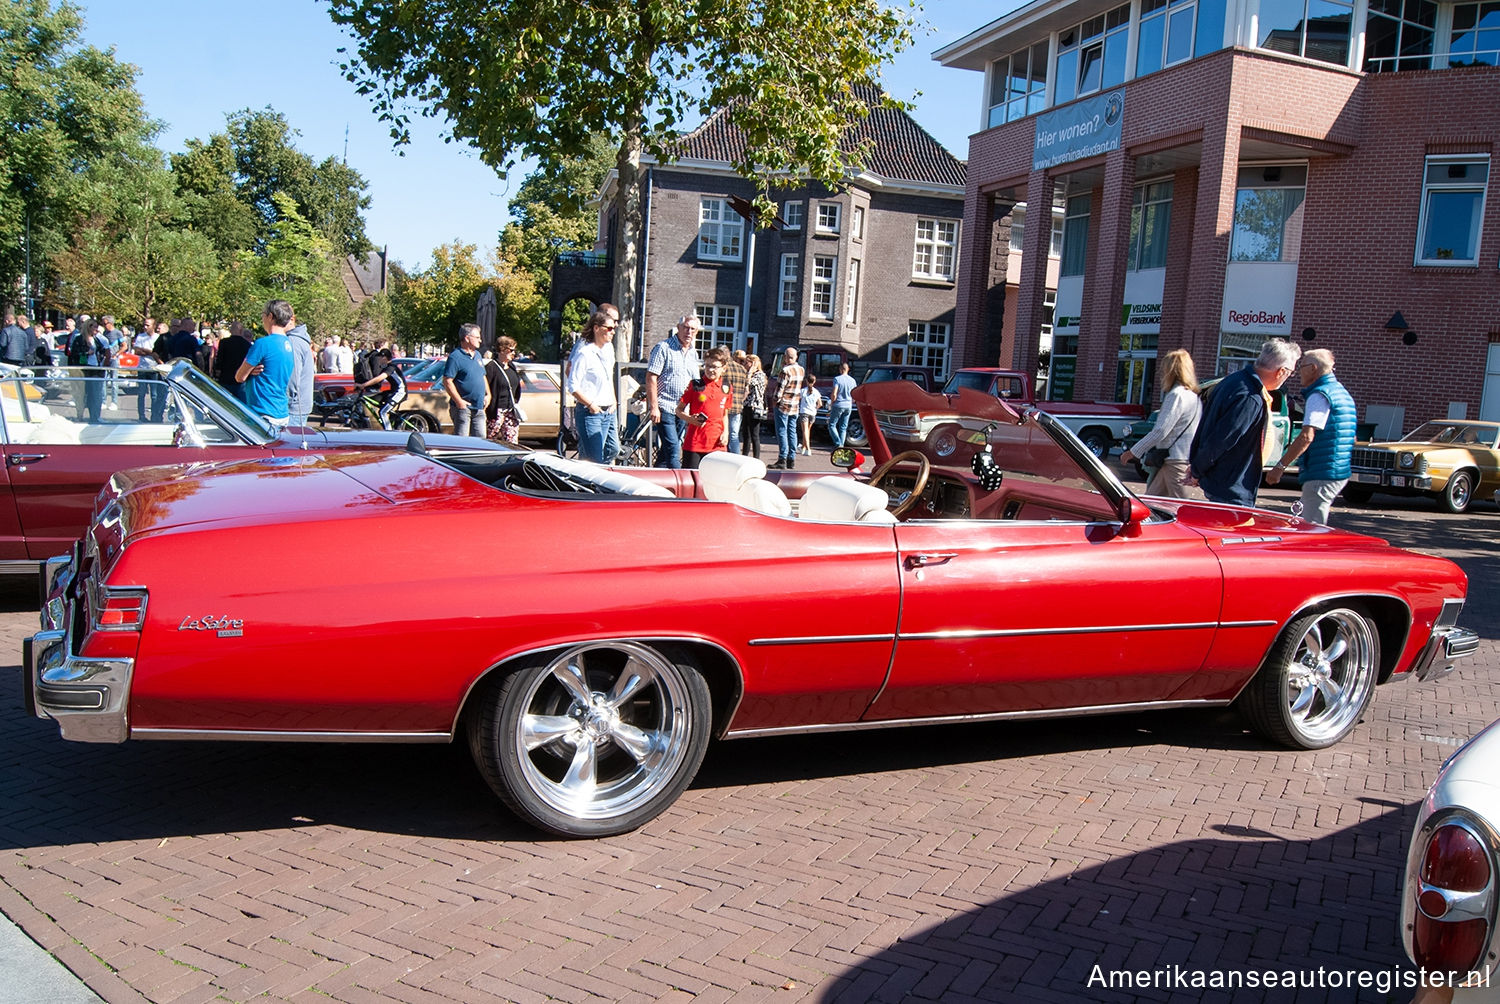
734,430
838,424
467,421
669,433
786,434
598,439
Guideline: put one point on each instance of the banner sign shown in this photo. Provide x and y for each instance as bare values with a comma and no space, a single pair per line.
1082,129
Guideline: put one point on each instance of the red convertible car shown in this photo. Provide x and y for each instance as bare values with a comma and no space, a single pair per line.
59,452
587,632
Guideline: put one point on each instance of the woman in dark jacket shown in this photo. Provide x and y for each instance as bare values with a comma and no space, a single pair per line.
503,412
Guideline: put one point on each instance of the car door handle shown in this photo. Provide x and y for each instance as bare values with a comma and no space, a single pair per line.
923,560
14,459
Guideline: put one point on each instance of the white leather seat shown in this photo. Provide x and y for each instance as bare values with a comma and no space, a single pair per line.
721,474
730,477
842,500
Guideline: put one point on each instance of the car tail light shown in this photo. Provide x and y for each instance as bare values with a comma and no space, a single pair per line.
1455,900
117,608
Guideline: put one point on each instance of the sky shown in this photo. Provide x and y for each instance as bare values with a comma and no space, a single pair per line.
200,61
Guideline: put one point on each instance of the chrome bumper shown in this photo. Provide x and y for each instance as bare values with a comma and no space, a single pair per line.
1447,644
1390,479
88,698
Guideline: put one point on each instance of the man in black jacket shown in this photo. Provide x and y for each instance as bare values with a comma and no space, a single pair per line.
1226,456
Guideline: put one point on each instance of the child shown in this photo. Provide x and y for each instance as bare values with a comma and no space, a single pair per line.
705,407
807,410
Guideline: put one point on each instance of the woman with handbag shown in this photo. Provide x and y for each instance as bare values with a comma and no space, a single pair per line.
755,410
505,414
1166,446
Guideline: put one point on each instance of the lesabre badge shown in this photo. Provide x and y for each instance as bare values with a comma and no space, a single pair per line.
221,624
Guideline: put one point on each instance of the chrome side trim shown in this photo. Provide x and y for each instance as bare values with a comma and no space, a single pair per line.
1005,632
995,716
1447,643
274,736
831,639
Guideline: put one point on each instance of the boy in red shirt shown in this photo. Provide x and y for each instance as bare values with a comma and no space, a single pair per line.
705,406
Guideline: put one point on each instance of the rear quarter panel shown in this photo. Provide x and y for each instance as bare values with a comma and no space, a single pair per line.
383,620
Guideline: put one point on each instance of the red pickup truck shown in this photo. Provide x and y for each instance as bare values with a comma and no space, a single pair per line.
1100,424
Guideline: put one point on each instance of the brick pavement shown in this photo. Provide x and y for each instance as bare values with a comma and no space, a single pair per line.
994,862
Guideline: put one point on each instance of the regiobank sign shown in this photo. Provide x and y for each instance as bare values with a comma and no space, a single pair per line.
1082,129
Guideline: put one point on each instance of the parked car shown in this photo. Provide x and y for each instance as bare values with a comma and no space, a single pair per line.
1452,888
1101,425
919,375
57,456
976,576
1447,460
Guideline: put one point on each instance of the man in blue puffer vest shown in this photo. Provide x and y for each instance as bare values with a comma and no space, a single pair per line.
1326,440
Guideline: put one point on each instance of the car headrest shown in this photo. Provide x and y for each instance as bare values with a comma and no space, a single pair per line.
722,474
763,496
843,500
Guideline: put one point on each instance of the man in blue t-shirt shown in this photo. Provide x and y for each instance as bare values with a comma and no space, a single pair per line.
463,379
267,370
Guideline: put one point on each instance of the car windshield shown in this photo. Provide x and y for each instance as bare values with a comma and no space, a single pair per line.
214,398
430,370
955,431
1434,432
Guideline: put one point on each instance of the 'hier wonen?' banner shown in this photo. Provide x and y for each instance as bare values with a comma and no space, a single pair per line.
1083,129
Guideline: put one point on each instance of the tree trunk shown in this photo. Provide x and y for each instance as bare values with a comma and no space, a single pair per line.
627,255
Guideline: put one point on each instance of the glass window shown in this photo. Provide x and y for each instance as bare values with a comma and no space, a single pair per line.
1400,36
1151,36
1018,84
1475,37
1453,191
717,325
720,229
1268,213
791,215
851,291
936,249
825,267
857,223
1055,248
1075,235
1316,29
830,216
1150,220
786,290
1017,228
1091,55
1210,29
927,345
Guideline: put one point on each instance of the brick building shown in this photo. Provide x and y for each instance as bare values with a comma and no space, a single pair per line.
1224,171
871,268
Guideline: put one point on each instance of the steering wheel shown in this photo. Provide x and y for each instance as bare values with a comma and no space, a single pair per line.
924,470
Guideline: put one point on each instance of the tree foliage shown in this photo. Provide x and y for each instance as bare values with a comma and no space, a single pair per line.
63,107
539,78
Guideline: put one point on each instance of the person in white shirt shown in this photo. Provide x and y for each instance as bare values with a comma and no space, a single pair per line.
1176,424
591,385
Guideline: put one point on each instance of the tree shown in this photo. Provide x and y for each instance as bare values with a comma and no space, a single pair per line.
537,79
128,253
63,107
299,265
435,301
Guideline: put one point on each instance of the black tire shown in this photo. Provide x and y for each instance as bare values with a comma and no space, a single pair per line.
592,740
413,421
1357,494
1097,441
1459,492
856,436
1317,680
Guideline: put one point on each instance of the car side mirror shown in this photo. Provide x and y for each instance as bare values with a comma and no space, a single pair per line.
1133,513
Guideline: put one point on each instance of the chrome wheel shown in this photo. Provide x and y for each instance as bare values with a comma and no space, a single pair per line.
1459,493
1317,681
596,739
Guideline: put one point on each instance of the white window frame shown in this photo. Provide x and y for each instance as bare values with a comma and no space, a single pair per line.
786,287
857,224
791,214
833,210
927,341
721,230
822,301
718,325
1429,188
851,291
933,251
